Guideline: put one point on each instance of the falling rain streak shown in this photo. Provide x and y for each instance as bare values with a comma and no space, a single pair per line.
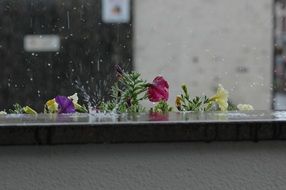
68,19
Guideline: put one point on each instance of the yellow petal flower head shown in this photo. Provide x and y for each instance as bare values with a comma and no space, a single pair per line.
178,102
245,107
51,106
221,98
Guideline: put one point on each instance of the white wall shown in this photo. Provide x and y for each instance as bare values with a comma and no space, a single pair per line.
225,36
182,166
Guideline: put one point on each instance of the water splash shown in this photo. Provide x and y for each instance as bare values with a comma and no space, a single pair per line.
86,97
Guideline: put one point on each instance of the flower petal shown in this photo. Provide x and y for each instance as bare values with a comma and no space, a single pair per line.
51,106
158,90
159,81
65,105
245,107
221,98
74,98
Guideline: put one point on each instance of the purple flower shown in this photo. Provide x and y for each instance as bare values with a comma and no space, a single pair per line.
158,90
65,105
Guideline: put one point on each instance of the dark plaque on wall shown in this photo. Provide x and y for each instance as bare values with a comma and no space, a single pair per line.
58,47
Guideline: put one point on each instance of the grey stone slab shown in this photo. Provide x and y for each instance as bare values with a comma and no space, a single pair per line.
145,127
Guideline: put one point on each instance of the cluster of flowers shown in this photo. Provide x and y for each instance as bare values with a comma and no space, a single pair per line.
59,104
130,90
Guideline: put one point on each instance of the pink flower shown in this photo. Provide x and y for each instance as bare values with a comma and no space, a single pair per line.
158,90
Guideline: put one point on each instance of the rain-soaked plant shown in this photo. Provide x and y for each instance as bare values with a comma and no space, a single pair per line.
18,109
126,93
217,102
130,90
185,103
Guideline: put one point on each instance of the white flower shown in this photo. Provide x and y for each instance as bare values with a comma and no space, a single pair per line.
74,98
245,107
3,113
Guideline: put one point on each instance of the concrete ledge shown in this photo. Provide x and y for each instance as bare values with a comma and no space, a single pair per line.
146,127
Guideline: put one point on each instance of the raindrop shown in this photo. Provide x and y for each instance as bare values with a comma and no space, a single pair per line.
68,19
98,66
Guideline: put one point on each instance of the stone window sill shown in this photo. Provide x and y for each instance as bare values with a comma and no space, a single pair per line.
172,127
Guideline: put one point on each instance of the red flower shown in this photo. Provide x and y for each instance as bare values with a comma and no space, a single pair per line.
156,116
158,90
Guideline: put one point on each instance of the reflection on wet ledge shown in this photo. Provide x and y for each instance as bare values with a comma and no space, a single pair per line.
177,117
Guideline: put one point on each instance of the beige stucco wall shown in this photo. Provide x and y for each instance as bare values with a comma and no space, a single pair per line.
181,166
206,42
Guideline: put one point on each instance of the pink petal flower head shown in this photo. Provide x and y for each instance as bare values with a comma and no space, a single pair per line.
158,90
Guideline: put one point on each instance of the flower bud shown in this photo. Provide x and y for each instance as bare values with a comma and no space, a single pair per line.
178,103
185,89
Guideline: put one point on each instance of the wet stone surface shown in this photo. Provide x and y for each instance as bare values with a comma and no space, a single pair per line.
146,127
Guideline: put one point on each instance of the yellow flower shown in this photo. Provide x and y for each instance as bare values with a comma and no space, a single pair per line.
221,98
178,103
51,106
245,107
29,110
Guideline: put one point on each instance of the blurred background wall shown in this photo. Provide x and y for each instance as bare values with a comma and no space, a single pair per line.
198,42
205,42
88,50
171,166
